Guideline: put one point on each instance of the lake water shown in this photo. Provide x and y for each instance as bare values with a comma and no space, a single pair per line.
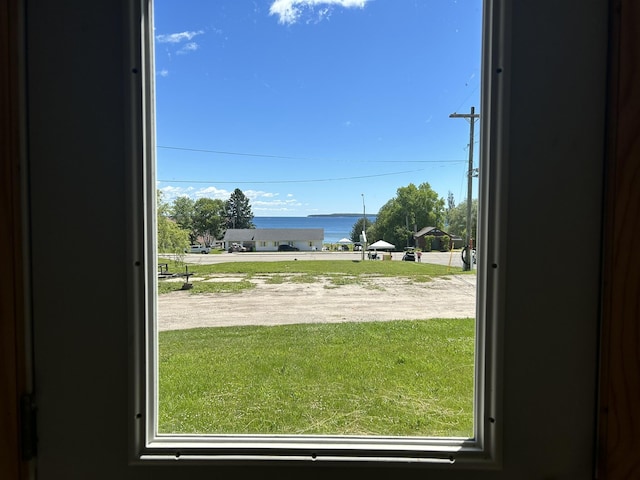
335,228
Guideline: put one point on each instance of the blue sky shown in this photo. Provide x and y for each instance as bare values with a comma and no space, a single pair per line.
306,105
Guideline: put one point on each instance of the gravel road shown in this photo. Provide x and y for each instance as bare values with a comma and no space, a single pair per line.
372,299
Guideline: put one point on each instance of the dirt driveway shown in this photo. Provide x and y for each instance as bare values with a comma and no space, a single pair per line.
371,299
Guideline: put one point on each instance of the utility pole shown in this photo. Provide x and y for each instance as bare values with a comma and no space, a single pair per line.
364,227
472,120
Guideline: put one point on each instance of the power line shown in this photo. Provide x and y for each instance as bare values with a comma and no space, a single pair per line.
292,181
260,155
232,153
468,96
407,161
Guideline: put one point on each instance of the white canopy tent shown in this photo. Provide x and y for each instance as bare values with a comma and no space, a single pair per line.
381,245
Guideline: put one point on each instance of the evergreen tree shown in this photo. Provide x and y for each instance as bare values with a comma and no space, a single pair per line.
356,230
238,211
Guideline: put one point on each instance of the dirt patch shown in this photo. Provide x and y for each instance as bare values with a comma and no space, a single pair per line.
326,300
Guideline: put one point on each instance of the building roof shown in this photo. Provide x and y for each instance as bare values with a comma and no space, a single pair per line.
436,232
429,231
273,234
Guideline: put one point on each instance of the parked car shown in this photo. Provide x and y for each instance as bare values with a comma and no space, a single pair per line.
288,248
197,248
236,247
409,256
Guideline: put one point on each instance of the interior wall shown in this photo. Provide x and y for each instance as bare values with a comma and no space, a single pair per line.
77,156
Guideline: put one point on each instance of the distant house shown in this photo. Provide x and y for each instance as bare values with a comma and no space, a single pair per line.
269,239
437,244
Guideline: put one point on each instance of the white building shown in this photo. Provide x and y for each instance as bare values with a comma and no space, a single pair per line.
270,239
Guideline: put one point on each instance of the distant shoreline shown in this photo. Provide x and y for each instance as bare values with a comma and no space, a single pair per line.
358,215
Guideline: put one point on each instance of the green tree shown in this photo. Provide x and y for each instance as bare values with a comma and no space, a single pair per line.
458,220
451,205
208,219
170,237
238,211
182,212
356,231
412,209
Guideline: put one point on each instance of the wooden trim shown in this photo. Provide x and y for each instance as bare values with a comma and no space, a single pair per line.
619,406
12,365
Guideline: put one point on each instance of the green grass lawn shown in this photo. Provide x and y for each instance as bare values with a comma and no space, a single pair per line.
204,287
400,378
320,267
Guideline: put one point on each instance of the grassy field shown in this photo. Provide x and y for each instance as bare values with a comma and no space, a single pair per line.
340,272
319,267
402,378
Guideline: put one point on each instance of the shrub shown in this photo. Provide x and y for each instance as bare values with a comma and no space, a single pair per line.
428,242
445,243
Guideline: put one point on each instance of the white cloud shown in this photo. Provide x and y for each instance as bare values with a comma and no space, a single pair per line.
270,202
262,204
253,194
275,206
212,192
189,47
289,11
260,200
173,192
177,37
164,72
324,13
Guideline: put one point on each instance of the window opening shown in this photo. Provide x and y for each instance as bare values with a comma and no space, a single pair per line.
330,117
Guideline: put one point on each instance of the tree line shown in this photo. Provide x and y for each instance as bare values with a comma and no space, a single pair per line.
413,208
187,221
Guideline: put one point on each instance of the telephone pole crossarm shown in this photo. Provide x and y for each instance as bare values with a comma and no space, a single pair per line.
465,115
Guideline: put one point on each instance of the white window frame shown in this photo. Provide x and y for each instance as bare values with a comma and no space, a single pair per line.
480,451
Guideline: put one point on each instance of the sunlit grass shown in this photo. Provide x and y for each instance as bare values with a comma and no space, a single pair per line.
275,280
165,286
319,267
304,278
379,378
